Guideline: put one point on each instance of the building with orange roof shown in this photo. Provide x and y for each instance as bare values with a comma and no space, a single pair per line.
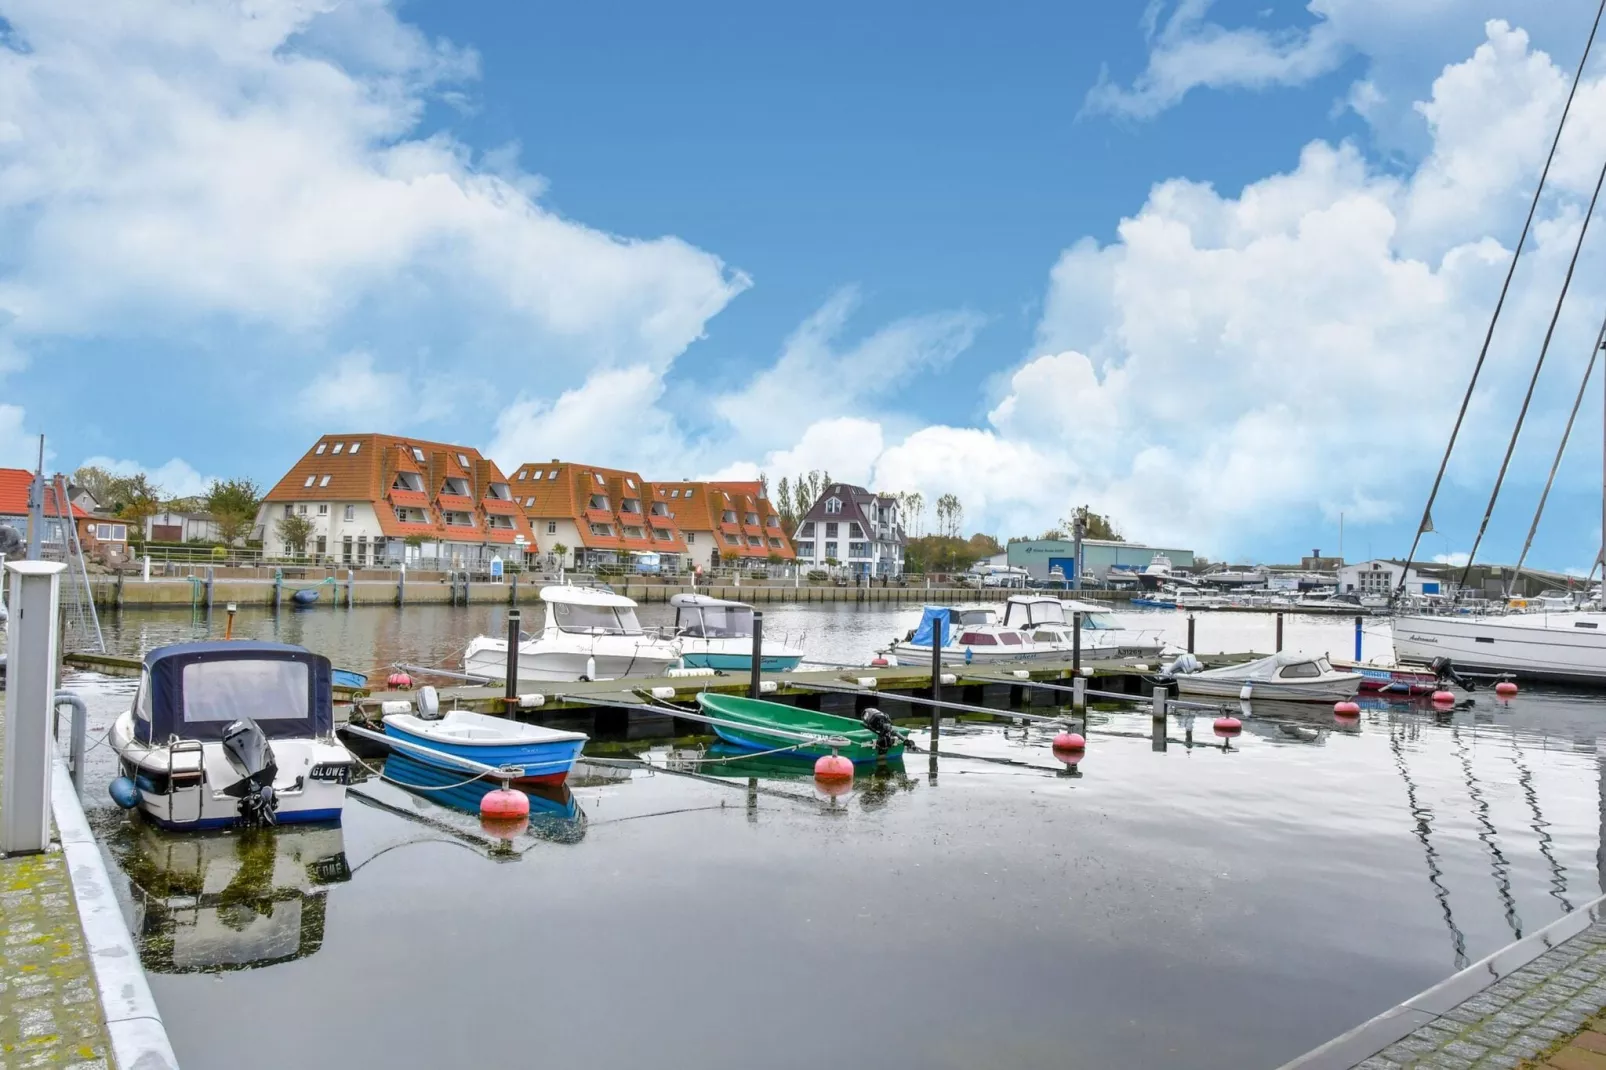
726,523
375,500
99,536
598,516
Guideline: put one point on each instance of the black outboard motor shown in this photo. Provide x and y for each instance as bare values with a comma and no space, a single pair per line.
1446,673
886,736
251,756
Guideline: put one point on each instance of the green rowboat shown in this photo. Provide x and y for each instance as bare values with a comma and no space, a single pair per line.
752,721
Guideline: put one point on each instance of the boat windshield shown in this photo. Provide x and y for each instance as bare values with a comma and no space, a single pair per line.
1099,622
596,620
719,622
974,616
1025,614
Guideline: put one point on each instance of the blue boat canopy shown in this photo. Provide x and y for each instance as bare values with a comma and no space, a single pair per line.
934,620
195,690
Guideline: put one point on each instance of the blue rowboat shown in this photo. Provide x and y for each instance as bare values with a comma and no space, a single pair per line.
545,754
348,678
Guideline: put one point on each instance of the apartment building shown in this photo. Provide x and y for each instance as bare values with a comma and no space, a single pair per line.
598,516
852,528
727,523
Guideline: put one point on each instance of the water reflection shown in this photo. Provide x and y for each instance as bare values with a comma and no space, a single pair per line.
412,789
1422,816
228,901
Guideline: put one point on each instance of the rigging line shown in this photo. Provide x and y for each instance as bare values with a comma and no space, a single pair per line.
1600,340
1533,380
1511,270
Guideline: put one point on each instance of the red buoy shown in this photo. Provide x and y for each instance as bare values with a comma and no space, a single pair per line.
1069,747
1505,689
833,768
504,804
399,681
1347,709
878,663
504,828
1444,698
1228,726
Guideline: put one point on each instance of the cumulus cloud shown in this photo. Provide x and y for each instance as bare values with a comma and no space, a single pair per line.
355,393
175,479
614,419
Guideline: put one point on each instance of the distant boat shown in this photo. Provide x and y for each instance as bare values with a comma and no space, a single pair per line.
1289,676
545,754
589,634
716,634
756,719
967,636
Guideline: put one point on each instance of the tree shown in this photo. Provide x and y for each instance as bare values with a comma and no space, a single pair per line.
914,509
293,530
97,481
233,505
133,498
783,505
763,485
950,516
806,491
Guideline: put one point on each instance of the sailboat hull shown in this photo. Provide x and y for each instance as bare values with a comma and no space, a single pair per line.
1558,647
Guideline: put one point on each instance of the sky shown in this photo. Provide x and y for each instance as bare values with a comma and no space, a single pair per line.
1218,270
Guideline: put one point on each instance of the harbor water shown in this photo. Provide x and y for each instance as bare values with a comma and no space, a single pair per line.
1178,899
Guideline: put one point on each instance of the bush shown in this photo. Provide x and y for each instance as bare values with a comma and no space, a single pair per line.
819,574
219,554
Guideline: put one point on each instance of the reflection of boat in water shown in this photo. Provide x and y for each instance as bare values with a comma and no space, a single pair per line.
554,813
229,901
740,762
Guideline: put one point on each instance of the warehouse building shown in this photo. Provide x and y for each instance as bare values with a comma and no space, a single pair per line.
1099,557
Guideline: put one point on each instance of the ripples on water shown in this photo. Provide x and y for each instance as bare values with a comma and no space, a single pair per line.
1178,902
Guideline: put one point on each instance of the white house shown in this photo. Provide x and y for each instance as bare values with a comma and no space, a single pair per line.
1383,577
857,529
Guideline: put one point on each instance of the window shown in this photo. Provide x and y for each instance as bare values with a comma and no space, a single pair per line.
855,531
598,476
830,531
351,513
460,520
775,544
773,522
418,455
687,494
500,522
324,482
631,531
302,508
552,474
691,537
631,483
662,536
355,446
462,459
659,509
501,492
266,690
323,545
751,519
675,493
596,620
728,517
598,501
319,450
345,550
1303,670
288,508
977,639
805,549
858,549
754,540
830,549
458,488
551,527
808,530
338,447
310,481
630,505
529,503
1010,638
362,550
602,529
732,540
833,505
401,513
408,481
323,509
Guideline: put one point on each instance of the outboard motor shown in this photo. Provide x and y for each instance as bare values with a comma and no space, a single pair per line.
428,703
1446,673
250,754
1185,663
886,736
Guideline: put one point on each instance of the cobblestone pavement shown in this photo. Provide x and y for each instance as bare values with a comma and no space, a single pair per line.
51,1011
1519,1017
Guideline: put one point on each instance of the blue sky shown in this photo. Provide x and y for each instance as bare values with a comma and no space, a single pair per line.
1219,269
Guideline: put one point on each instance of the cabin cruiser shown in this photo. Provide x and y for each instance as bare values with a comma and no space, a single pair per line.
1049,622
1287,675
231,733
1568,647
716,634
230,902
968,636
590,634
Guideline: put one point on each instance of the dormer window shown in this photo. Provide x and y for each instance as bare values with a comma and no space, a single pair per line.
500,492
833,505
773,522
599,501
408,481
630,505
660,509
456,487
751,519
728,517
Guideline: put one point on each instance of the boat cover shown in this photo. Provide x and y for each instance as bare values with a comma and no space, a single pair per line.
1264,668
933,619
196,690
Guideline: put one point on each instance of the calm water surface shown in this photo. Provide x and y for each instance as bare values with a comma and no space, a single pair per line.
1177,903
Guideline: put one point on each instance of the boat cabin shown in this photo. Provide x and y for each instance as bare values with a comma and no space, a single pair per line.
193,691
1028,611
706,617
589,611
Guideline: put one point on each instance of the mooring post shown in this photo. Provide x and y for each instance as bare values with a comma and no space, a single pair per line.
510,693
1190,633
1357,638
30,695
465,587
211,573
754,683
939,629
401,585
513,590
1079,693
1279,633
1161,702
350,588
278,587
1076,644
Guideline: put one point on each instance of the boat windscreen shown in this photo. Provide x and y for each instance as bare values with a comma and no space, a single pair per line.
268,690
596,620
974,616
721,622
1099,622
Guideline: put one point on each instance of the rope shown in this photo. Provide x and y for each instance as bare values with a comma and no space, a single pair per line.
1600,340
380,773
1511,270
1533,381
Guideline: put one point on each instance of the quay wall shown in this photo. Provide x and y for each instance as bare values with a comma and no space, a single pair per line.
112,592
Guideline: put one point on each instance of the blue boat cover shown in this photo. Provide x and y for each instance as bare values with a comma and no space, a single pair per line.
934,619
195,690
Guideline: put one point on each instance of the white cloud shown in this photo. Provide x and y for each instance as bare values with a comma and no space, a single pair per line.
170,163
844,446
1457,559
356,395
18,448
175,479
614,419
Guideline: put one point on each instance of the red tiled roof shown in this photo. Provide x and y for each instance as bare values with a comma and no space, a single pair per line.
14,483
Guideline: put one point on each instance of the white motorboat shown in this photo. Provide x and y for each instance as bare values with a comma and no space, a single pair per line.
1288,676
968,636
231,733
1049,622
716,634
590,634
1566,646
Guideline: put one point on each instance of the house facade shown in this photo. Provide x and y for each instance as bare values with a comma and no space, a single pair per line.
171,525
104,538
853,528
726,524
598,516
378,500
1382,578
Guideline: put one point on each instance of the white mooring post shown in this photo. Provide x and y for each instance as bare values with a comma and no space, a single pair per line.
30,690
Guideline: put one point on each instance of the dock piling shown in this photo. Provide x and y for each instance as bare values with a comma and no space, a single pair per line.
939,633
401,586
30,689
1358,638
350,589
755,686
1076,644
513,590
278,588
211,574
1079,694
1279,633
1190,633
510,693
1161,703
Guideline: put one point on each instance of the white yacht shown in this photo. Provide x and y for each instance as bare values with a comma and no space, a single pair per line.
1049,621
231,733
1567,646
1288,676
968,636
716,634
590,634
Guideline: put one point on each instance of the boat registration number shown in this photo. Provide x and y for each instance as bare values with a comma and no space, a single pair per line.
331,773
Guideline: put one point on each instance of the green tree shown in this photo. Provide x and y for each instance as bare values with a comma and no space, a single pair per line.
293,530
97,481
133,498
233,504
783,505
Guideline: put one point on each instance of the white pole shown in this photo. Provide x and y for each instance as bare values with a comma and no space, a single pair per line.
147,576
30,689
